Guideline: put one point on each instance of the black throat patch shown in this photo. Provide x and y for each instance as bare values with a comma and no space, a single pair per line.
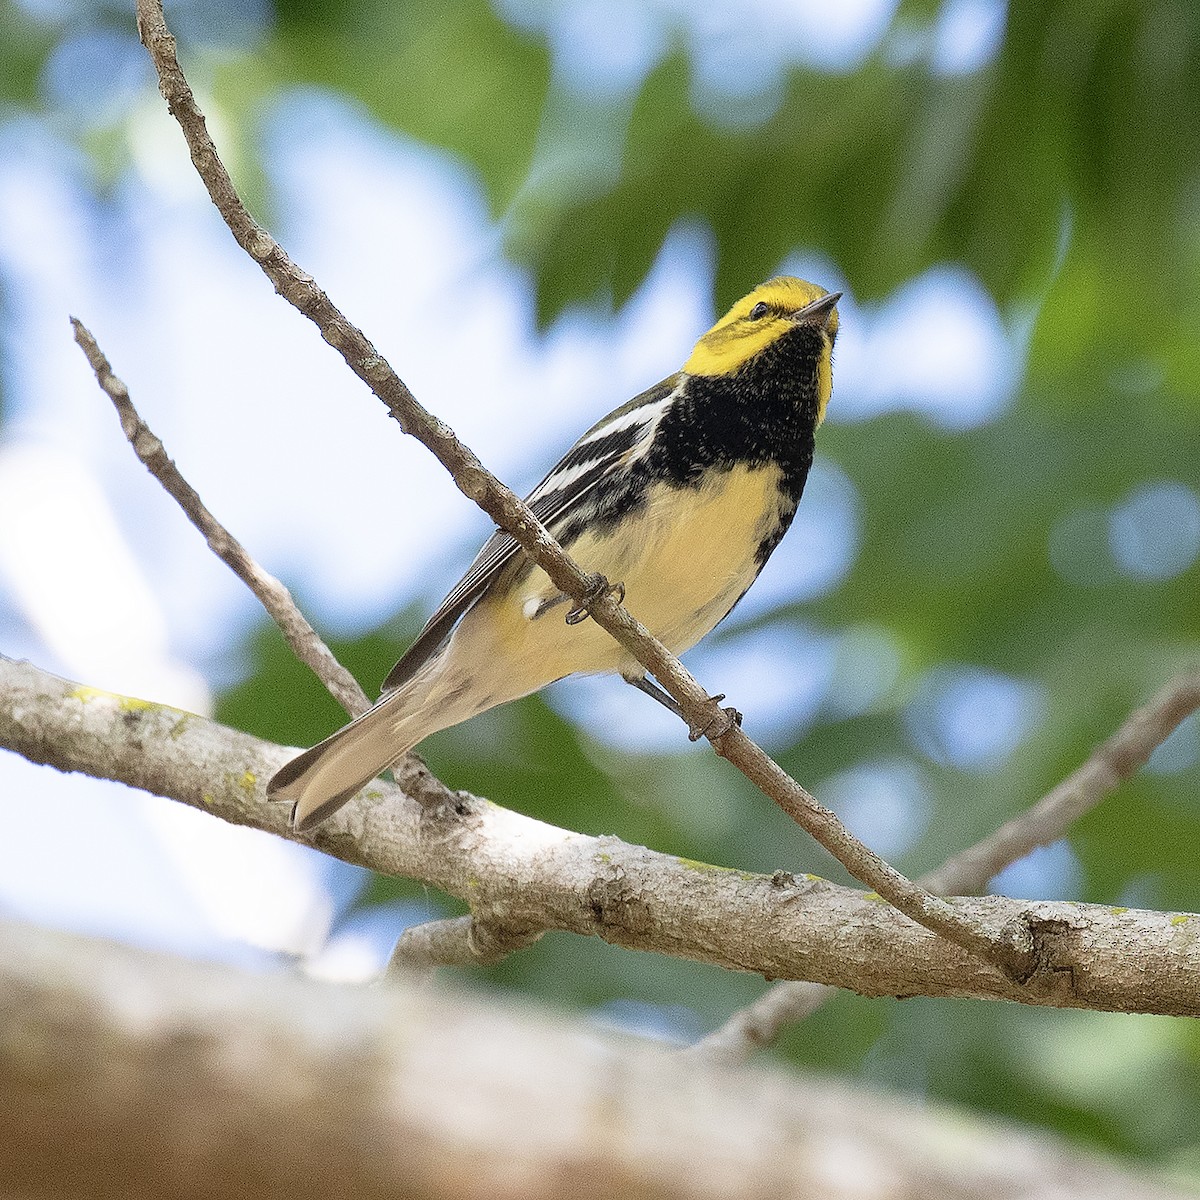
765,413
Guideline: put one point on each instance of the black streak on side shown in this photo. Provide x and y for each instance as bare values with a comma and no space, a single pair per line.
765,414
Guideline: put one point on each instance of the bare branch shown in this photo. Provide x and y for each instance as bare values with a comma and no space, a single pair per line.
125,1073
521,874
969,872
303,639
1110,764
457,942
758,1025
588,591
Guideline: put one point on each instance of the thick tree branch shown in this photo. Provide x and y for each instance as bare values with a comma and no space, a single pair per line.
303,639
469,941
969,872
520,874
507,510
125,1073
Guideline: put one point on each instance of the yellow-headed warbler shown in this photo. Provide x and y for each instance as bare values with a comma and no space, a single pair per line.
680,495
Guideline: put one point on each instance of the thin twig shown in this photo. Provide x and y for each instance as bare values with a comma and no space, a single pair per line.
1109,765
756,1026
510,513
303,639
968,873
457,942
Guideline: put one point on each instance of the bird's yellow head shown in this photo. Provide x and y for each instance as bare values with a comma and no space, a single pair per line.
758,320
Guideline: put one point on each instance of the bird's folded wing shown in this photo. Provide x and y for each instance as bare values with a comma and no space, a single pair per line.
607,446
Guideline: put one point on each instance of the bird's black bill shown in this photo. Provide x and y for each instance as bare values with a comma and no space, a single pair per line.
819,308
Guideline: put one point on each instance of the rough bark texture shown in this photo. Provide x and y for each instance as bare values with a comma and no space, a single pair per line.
968,872
597,597
523,876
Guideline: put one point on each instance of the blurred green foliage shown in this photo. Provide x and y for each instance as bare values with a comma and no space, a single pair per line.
1064,173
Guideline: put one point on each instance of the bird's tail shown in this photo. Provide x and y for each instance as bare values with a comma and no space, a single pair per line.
321,780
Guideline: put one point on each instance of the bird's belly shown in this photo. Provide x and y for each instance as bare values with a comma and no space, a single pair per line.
687,558
684,560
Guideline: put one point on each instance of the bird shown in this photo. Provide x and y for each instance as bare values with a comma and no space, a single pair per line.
678,497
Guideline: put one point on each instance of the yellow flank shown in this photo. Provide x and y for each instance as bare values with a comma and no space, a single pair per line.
684,555
684,560
737,337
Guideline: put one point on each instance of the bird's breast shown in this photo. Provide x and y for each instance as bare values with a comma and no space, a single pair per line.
684,557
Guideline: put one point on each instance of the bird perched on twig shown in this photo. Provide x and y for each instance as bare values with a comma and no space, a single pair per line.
679,497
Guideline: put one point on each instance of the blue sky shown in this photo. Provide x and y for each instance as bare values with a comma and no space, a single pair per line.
301,463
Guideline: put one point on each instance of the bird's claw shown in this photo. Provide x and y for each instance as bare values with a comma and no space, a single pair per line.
722,721
598,588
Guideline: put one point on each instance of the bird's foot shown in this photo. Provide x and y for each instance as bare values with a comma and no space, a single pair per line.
598,588
722,721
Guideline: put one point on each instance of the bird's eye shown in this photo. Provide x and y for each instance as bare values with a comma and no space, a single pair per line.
759,311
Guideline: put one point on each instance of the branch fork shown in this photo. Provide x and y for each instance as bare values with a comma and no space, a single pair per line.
523,875
513,515
1016,948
